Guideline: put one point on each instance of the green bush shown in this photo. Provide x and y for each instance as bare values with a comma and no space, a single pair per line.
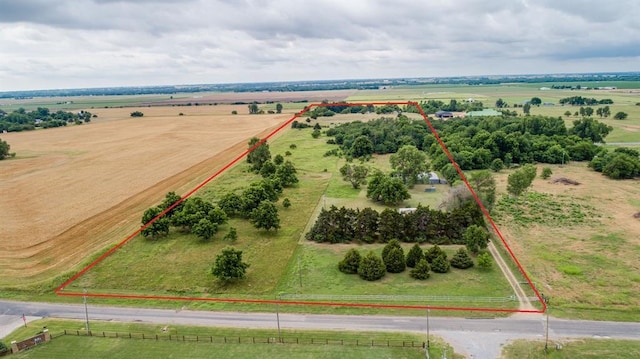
394,243
394,261
371,267
421,271
434,252
414,256
546,172
440,264
484,261
137,114
351,261
461,259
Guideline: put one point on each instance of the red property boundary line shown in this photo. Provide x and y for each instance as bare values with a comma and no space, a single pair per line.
60,290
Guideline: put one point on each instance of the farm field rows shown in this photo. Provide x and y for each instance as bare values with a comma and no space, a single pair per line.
73,191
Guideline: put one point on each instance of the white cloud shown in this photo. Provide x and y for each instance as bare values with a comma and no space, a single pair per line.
89,43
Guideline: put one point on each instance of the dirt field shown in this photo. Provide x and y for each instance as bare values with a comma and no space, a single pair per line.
592,264
72,191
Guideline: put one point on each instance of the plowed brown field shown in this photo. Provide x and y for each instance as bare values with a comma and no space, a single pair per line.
74,191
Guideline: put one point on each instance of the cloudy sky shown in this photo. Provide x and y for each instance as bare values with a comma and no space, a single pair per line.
48,44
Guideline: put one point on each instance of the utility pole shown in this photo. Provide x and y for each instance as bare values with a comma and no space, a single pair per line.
546,336
278,317
86,310
428,334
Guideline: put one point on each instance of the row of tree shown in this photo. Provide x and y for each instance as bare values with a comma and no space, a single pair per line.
372,267
582,101
345,225
433,106
42,117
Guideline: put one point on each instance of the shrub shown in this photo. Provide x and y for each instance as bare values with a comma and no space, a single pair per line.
288,153
286,203
434,252
484,261
231,236
278,159
414,256
394,261
421,271
461,259
293,146
351,261
315,133
234,112
394,243
546,172
137,114
475,238
371,267
440,264
497,165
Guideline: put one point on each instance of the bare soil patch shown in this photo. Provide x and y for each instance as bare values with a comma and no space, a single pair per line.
565,180
73,191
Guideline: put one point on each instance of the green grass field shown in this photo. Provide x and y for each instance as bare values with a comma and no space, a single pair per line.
71,346
180,264
579,348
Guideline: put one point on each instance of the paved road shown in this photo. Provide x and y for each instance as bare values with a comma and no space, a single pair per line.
478,338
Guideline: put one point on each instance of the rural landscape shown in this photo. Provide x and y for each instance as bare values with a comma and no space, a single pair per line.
520,196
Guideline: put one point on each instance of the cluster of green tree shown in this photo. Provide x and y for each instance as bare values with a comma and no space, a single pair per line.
433,106
4,150
496,142
193,215
372,267
386,189
621,163
490,142
22,120
344,225
581,101
383,135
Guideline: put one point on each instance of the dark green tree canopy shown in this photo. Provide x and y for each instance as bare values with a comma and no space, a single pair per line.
229,266
355,174
351,261
265,216
371,267
461,259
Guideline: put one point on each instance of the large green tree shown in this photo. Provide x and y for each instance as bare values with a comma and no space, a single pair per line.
461,259
259,155
414,256
229,266
160,227
475,238
265,216
620,115
387,189
362,146
590,129
409,162
4,149
520,180
356,174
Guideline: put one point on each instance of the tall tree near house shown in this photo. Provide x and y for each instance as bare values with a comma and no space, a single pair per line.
409,162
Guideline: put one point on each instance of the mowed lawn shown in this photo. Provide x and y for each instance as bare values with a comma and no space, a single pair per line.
73,346
78,347
579,348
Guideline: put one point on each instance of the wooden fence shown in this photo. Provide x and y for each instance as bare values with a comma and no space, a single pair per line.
245,340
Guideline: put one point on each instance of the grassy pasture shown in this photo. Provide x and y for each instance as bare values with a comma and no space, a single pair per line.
180,264
579,348
579,243
96,347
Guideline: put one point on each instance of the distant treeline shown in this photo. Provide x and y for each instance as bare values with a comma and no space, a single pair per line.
364,84
22,120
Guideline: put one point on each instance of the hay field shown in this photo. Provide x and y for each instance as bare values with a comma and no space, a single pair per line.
74,191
